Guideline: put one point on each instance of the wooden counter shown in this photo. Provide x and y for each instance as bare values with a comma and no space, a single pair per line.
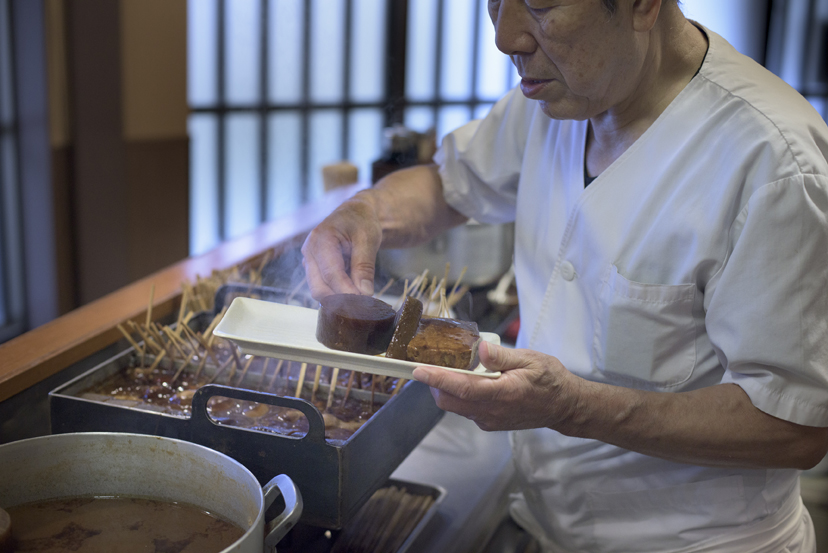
42,352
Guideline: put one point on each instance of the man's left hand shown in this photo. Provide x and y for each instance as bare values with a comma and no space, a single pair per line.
534,390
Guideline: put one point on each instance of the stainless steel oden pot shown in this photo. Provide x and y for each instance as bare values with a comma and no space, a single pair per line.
117,464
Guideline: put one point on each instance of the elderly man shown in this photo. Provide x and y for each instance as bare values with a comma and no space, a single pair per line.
670,199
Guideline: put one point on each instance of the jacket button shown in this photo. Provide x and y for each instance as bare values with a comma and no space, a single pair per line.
567,270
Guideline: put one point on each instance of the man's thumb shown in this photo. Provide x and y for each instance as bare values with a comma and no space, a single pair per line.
494,357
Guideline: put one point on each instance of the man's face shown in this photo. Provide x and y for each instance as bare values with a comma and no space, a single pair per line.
573,57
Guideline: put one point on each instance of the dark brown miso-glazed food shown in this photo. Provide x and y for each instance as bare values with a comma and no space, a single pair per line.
407,322
343,414
445,342
355,323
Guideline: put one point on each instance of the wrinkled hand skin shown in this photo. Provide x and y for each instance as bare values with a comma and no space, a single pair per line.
340,253
534,391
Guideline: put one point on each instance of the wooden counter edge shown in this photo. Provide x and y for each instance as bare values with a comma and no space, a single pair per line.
43,351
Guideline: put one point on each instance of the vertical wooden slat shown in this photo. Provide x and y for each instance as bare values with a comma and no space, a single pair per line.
396,43
221,123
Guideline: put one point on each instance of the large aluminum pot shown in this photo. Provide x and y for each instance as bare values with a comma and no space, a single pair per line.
485,250
119,464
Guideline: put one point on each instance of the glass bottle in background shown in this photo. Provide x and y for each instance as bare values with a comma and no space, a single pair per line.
401,148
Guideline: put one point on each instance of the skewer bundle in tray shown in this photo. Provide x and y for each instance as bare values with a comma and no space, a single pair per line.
384,523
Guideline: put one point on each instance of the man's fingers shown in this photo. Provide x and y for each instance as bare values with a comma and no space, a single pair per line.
318,288
325,268
463,386
363,264
497,358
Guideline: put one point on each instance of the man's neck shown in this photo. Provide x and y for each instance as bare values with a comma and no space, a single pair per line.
673,60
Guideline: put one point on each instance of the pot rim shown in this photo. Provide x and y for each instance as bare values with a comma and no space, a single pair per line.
122,436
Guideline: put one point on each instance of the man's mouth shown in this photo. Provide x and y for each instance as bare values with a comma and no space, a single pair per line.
532,87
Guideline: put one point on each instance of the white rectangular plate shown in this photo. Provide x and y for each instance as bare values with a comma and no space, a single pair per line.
289,332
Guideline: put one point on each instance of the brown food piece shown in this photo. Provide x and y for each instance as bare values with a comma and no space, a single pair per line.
355,323
445,342
406,324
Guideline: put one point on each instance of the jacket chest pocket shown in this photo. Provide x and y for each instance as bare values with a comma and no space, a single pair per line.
644,333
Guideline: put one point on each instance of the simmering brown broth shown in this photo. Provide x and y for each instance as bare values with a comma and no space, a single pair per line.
124,524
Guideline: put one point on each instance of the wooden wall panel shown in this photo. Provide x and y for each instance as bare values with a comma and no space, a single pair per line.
100,192
158,204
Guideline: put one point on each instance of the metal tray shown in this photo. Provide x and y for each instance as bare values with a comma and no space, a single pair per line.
335,480
437,493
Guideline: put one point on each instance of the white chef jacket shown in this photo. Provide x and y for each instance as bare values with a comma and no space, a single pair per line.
699,257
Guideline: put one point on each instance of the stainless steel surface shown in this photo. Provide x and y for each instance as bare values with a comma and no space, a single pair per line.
437,493
486,251
335,480
118,464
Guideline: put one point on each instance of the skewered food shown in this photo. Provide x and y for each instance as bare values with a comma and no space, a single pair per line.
153,390
355,323
445,342
407,321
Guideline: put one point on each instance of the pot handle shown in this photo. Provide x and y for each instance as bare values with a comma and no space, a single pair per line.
201,419
276,529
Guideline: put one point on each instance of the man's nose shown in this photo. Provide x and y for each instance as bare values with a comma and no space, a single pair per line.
512,24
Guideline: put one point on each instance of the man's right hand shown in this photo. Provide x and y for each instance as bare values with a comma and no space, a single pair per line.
340,254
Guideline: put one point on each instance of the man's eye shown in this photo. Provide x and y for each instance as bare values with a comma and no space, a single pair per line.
537,6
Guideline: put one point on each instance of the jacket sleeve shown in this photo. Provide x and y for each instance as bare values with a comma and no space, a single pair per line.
767,309
480,162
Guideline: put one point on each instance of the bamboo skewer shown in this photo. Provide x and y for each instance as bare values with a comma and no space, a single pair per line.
316,378
401,300
456,284
385,288
149,307
350,385
160,331
151,331
220,370
454,298
200,339
236,362
214,323
430,293
419,507
373,385
201,365
134,344
446,273
181,309
158,359
301,381
275,373
400,383
268,255
296,290
415,286
188,317
147,339
244,371
187,359
264,373
183,345
178,372
389,530
332,388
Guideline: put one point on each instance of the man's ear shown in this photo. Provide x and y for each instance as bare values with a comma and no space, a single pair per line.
644,14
